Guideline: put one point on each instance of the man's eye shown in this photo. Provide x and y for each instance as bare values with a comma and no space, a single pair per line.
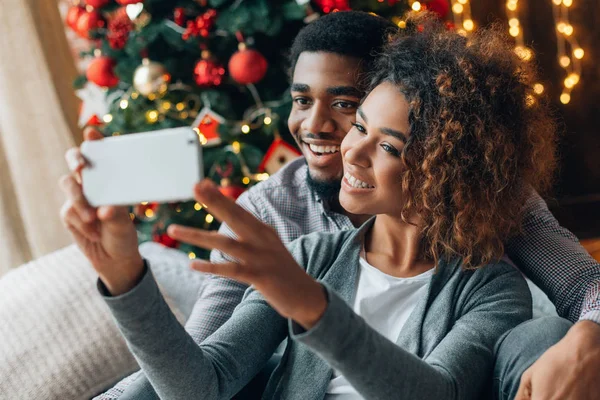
346,105
359,127
301,101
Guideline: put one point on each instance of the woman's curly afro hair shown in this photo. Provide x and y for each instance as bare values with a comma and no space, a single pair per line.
480,140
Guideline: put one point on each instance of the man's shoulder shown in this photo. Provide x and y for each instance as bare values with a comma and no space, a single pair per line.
286,185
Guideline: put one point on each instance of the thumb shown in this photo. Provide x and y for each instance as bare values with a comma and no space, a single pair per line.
524,392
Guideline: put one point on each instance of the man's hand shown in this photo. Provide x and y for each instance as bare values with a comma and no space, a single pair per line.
105,235
568,370
263,260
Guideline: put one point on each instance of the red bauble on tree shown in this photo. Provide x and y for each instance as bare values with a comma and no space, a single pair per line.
101,71
440,7
97,3
89,21
73,15
247,66
119,27
332,5
208,72
179,16
201,26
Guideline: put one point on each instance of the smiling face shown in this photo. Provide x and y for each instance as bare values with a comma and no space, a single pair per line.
325,98
371,154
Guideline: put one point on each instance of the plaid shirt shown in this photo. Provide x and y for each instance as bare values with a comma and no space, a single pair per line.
547,253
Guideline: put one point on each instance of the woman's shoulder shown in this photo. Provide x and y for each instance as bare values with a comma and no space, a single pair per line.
320,248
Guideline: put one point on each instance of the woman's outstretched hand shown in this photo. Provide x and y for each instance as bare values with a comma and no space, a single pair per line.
262,259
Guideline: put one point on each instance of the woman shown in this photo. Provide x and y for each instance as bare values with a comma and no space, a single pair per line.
410,305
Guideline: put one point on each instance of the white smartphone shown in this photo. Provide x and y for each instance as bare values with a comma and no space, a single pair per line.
159,166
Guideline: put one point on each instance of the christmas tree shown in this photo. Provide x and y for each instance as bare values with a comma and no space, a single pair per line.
219,66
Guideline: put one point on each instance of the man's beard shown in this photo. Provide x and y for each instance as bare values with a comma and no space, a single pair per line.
328,191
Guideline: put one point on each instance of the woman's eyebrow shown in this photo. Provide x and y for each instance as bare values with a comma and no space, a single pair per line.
388,131
397,134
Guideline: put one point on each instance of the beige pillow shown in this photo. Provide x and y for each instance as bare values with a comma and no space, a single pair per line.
57,337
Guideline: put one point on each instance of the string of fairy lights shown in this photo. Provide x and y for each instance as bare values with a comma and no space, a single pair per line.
569,53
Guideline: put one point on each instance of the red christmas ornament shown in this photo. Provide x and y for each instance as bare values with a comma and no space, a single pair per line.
94,121
101,72
179,16
440,7
89,21
333,5
279,154
165,240
247,66
119,27
201,26
230,190
208,73
127,2
73,15
97,3
450,25
207,122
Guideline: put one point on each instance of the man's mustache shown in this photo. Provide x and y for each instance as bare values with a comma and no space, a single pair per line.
316,136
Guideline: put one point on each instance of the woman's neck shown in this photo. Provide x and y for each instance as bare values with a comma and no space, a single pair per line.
393,246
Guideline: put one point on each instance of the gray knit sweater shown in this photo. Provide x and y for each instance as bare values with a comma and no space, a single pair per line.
445,350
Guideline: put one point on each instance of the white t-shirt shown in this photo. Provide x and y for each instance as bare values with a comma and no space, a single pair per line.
385,302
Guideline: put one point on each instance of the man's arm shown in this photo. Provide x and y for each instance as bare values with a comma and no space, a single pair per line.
219,298
553,259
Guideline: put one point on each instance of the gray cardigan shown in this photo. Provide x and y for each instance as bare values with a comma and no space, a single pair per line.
445,350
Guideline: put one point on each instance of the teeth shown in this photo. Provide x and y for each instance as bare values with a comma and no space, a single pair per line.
324,149
357,183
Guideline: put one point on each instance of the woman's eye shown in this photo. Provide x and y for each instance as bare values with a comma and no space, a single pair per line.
359,127
390,149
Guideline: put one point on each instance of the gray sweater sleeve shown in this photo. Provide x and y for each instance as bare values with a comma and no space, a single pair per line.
457,368
219,298
176,366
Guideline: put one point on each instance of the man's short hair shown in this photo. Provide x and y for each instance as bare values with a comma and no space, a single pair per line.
348,33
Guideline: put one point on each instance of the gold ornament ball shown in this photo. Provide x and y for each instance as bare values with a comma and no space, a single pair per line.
150,77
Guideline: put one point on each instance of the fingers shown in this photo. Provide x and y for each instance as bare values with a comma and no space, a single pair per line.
210,240
91,133
73,222
76,199
244,224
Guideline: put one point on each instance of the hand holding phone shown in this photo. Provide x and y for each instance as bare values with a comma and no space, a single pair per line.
106,235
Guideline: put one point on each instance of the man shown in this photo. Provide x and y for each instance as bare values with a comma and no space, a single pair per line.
328,58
